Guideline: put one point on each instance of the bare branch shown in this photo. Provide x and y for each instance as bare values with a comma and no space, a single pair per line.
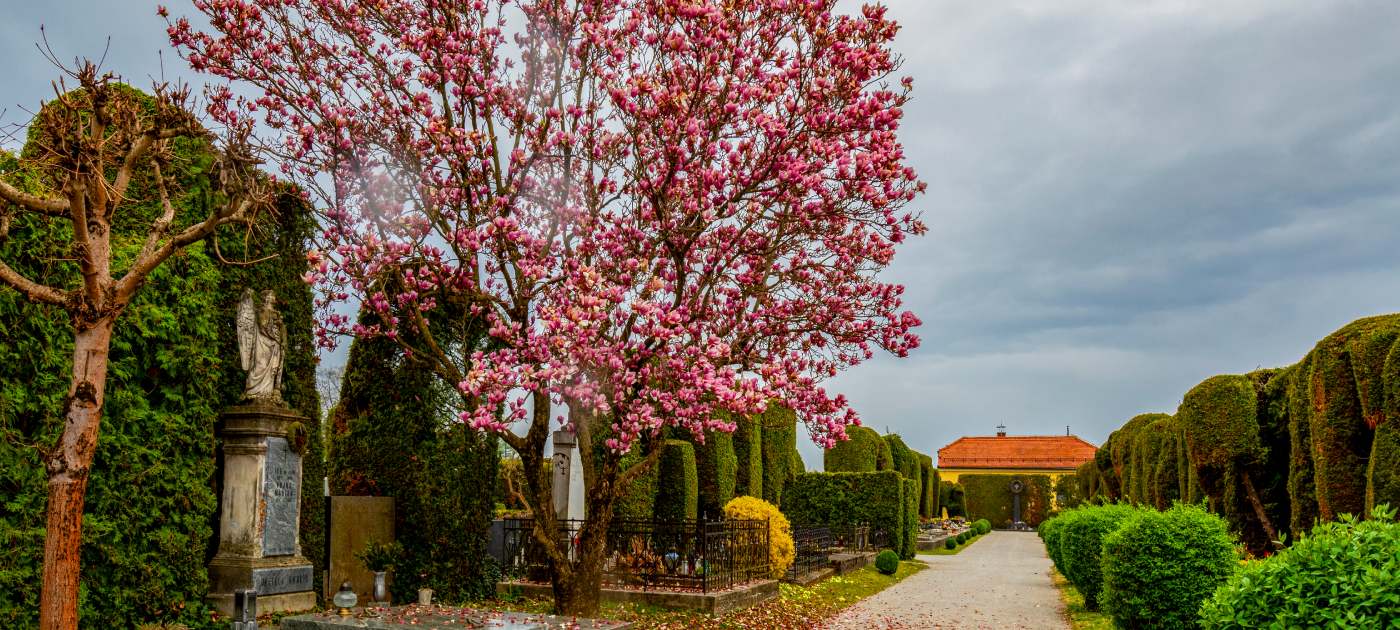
34,203
32,290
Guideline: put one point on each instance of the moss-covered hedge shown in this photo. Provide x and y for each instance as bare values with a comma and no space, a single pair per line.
860,452
873,498
677,485
989,496
779,440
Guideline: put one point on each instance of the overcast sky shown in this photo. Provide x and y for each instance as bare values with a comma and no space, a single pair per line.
1124,197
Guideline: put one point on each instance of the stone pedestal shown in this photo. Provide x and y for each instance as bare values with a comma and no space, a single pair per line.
259,545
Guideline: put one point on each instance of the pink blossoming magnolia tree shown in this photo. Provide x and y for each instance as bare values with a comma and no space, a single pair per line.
662,209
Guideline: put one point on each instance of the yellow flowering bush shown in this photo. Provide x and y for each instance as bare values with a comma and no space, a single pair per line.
780,548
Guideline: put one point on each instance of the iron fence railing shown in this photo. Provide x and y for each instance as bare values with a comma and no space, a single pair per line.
813,545
850,537
688,555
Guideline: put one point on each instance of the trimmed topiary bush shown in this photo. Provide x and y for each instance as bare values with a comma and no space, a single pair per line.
928,493
909,539
1344,574
860,452
1051,532
887,562
781,551
748,454
638,500
1159,566
950,543
1082,543
715,464
962,537
779,447
984,526
677,485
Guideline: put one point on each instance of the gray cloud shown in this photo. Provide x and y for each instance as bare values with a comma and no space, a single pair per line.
1125,197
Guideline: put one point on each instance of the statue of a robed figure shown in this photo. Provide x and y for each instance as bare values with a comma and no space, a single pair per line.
262,339
260,501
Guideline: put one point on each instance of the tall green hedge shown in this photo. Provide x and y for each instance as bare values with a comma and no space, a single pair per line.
677,485
152,500
989,496
1124,442
872,498
929,482
748,452
779,440
1302,483
1383,486
638,501
715,465
860,452
902,457
394,433
909,539
1344,386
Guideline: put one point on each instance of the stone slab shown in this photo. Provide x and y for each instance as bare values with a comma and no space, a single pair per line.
436,617
844,563
714,603
281,494
354,521
267,604
812,577
931,544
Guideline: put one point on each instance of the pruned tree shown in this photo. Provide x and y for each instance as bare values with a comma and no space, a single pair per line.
661,210
86,147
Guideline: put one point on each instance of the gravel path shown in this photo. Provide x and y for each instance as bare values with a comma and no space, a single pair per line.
1001,581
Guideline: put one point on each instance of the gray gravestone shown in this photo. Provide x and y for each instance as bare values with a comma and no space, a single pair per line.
281,494
282,580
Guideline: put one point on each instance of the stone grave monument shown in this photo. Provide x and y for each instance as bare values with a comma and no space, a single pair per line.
259,546
568,477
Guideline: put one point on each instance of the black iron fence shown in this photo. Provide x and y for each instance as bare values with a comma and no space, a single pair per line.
692,555
813,545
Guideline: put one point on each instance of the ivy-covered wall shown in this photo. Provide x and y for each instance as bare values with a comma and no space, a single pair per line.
151,510
952,496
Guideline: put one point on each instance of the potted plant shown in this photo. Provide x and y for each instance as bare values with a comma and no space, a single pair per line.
379,557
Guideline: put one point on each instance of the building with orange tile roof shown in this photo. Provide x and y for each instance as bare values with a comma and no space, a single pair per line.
1053,455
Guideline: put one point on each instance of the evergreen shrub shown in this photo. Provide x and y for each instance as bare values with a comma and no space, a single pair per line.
859,453
887,562
779,447
950,543
1051,532
929,482
909,539
677,485
952,496
638,500
715,465
1082,543
1159,566
1344,574
748,453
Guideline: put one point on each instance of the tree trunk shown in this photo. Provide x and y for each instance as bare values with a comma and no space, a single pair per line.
1258,506
68,465
578,588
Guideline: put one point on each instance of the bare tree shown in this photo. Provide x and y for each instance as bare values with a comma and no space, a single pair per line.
87,145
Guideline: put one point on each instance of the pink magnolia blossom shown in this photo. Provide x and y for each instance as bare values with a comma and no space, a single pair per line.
661,208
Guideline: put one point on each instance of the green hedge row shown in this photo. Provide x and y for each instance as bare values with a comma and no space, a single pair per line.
909,534
779,450
989,496
951,496
1275,450
860,452
716,466
928,494
844,498
748,452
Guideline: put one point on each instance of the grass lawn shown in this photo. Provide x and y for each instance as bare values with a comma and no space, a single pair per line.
795,606
942,551
1080,618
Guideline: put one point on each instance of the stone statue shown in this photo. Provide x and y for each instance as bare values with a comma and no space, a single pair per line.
261,341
